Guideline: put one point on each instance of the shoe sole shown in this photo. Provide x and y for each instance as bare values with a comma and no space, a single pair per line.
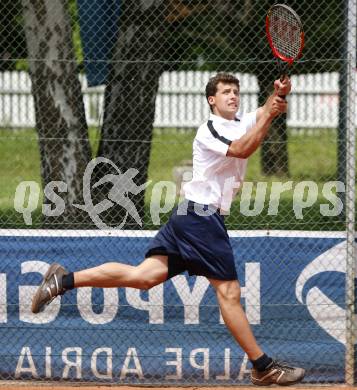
279,384
35,308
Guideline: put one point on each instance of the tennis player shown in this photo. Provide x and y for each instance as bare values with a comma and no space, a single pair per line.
195,239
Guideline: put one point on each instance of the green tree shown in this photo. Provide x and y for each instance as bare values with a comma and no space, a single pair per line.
12,41
60,117
129,97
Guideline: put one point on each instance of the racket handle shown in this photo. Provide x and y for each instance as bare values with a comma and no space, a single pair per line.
283,73
282,77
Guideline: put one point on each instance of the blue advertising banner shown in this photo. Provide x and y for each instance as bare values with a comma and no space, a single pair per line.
293,291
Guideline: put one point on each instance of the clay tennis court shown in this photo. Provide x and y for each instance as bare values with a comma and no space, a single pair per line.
48,386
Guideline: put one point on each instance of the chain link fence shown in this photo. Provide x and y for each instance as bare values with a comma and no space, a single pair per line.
101,97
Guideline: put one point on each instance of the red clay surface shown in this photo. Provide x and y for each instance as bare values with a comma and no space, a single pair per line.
52,386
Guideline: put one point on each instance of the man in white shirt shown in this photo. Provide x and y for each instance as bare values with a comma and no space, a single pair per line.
195,239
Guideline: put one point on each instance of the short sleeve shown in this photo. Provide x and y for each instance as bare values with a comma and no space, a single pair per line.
249,120
207,140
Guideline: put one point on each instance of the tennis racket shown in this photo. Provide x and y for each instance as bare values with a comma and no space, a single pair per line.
285,36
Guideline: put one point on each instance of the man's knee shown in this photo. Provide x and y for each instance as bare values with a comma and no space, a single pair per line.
145,280
147,283
229,292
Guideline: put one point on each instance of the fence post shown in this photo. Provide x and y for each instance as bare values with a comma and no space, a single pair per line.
351,101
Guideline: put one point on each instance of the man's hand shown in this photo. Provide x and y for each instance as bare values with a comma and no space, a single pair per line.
282,88
274,106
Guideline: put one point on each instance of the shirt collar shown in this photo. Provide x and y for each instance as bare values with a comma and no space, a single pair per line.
219,119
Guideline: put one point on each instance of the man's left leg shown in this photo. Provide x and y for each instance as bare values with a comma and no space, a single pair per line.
228,295
57,280
265,370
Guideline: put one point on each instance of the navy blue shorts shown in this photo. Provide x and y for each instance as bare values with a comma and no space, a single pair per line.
195,242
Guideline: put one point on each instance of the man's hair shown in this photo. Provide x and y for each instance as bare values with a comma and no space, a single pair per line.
225,78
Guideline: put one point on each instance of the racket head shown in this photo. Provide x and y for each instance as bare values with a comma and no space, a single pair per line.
285,33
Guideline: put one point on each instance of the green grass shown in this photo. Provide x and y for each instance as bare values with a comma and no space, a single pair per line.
20,161
167,151
311,158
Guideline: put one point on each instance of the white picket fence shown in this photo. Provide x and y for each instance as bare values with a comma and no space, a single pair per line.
180,102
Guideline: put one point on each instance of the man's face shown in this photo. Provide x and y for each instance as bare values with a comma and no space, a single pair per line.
225,102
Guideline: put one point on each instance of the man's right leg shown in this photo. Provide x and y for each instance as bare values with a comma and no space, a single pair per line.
266,371
152,271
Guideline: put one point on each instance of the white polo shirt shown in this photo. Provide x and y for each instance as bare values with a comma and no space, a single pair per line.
217,178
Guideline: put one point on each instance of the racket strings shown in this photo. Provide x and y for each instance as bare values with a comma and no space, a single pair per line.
285,32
